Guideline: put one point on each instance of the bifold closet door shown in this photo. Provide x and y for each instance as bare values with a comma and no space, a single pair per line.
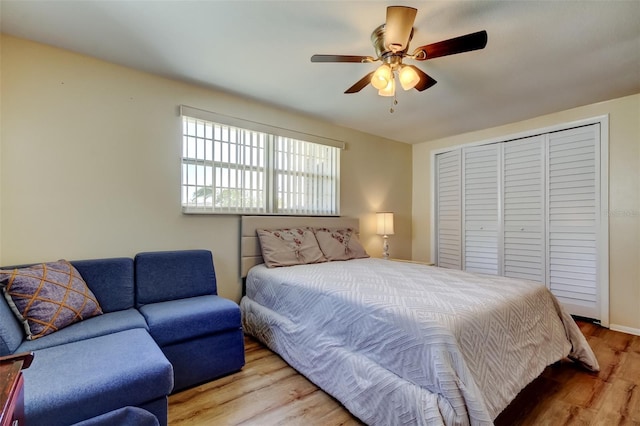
573,214
481,185
524,212
449,210
528,208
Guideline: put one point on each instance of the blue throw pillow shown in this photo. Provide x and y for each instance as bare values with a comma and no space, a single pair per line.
48,297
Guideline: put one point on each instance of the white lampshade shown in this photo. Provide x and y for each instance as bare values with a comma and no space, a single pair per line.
381,77
390,90
408,77
385,223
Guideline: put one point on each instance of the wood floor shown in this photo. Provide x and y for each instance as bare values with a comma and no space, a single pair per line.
269,392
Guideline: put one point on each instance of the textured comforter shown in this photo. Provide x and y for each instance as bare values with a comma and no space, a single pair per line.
402,343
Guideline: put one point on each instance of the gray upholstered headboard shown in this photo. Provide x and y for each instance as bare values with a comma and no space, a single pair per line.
250,246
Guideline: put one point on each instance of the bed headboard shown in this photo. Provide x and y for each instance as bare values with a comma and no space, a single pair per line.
250,254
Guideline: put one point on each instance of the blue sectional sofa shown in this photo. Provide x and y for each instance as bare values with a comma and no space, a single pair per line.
163,329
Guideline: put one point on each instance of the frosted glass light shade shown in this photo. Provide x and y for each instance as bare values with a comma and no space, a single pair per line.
381,77
408,77
385,223
389,90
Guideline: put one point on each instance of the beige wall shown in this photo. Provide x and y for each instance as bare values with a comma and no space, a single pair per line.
90,164
624,195
0,152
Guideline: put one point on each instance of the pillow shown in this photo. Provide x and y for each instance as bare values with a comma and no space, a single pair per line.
48,297
288,247
339,244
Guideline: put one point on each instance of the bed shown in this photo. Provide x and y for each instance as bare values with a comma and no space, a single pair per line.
405,343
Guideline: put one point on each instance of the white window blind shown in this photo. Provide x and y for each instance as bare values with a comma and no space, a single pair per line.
234,170
306,177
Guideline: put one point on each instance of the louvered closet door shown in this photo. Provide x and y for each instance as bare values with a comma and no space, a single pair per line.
448,210
573,212
524,213
481,210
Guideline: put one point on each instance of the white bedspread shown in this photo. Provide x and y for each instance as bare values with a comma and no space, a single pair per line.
402,343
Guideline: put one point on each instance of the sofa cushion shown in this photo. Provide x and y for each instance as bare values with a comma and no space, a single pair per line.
48,297
125,416
101,325
171,275
110,280
69,383
185,319
206,358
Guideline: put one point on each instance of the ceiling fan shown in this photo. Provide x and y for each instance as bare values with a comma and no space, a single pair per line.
391,43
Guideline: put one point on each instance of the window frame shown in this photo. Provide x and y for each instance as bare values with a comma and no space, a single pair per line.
268,168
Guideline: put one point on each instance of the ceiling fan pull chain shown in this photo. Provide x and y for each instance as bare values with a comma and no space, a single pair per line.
395,102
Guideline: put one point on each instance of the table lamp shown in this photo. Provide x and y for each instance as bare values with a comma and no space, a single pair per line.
385,228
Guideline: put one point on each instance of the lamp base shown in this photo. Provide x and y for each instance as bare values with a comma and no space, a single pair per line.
385,247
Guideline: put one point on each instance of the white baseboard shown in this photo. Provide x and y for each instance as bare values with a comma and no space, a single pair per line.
622,328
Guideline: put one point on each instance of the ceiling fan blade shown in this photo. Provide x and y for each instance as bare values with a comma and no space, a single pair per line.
425,80
465,43
398,27
341,58
361,84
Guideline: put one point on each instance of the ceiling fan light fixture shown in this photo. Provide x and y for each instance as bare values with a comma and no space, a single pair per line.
381,77
408,77
390,89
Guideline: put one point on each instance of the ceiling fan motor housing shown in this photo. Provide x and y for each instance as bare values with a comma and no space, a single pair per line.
392,58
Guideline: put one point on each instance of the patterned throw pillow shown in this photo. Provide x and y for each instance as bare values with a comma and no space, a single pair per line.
288,247
48,297
339,244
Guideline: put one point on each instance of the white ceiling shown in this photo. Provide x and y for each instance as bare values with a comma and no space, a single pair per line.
541,57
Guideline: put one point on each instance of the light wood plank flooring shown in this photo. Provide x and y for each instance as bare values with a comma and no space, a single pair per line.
269,392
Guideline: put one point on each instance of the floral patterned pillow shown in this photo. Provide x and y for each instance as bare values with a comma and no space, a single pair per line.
288,247
48,297
339,244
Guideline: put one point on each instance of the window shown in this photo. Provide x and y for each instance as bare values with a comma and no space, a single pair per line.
241,167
